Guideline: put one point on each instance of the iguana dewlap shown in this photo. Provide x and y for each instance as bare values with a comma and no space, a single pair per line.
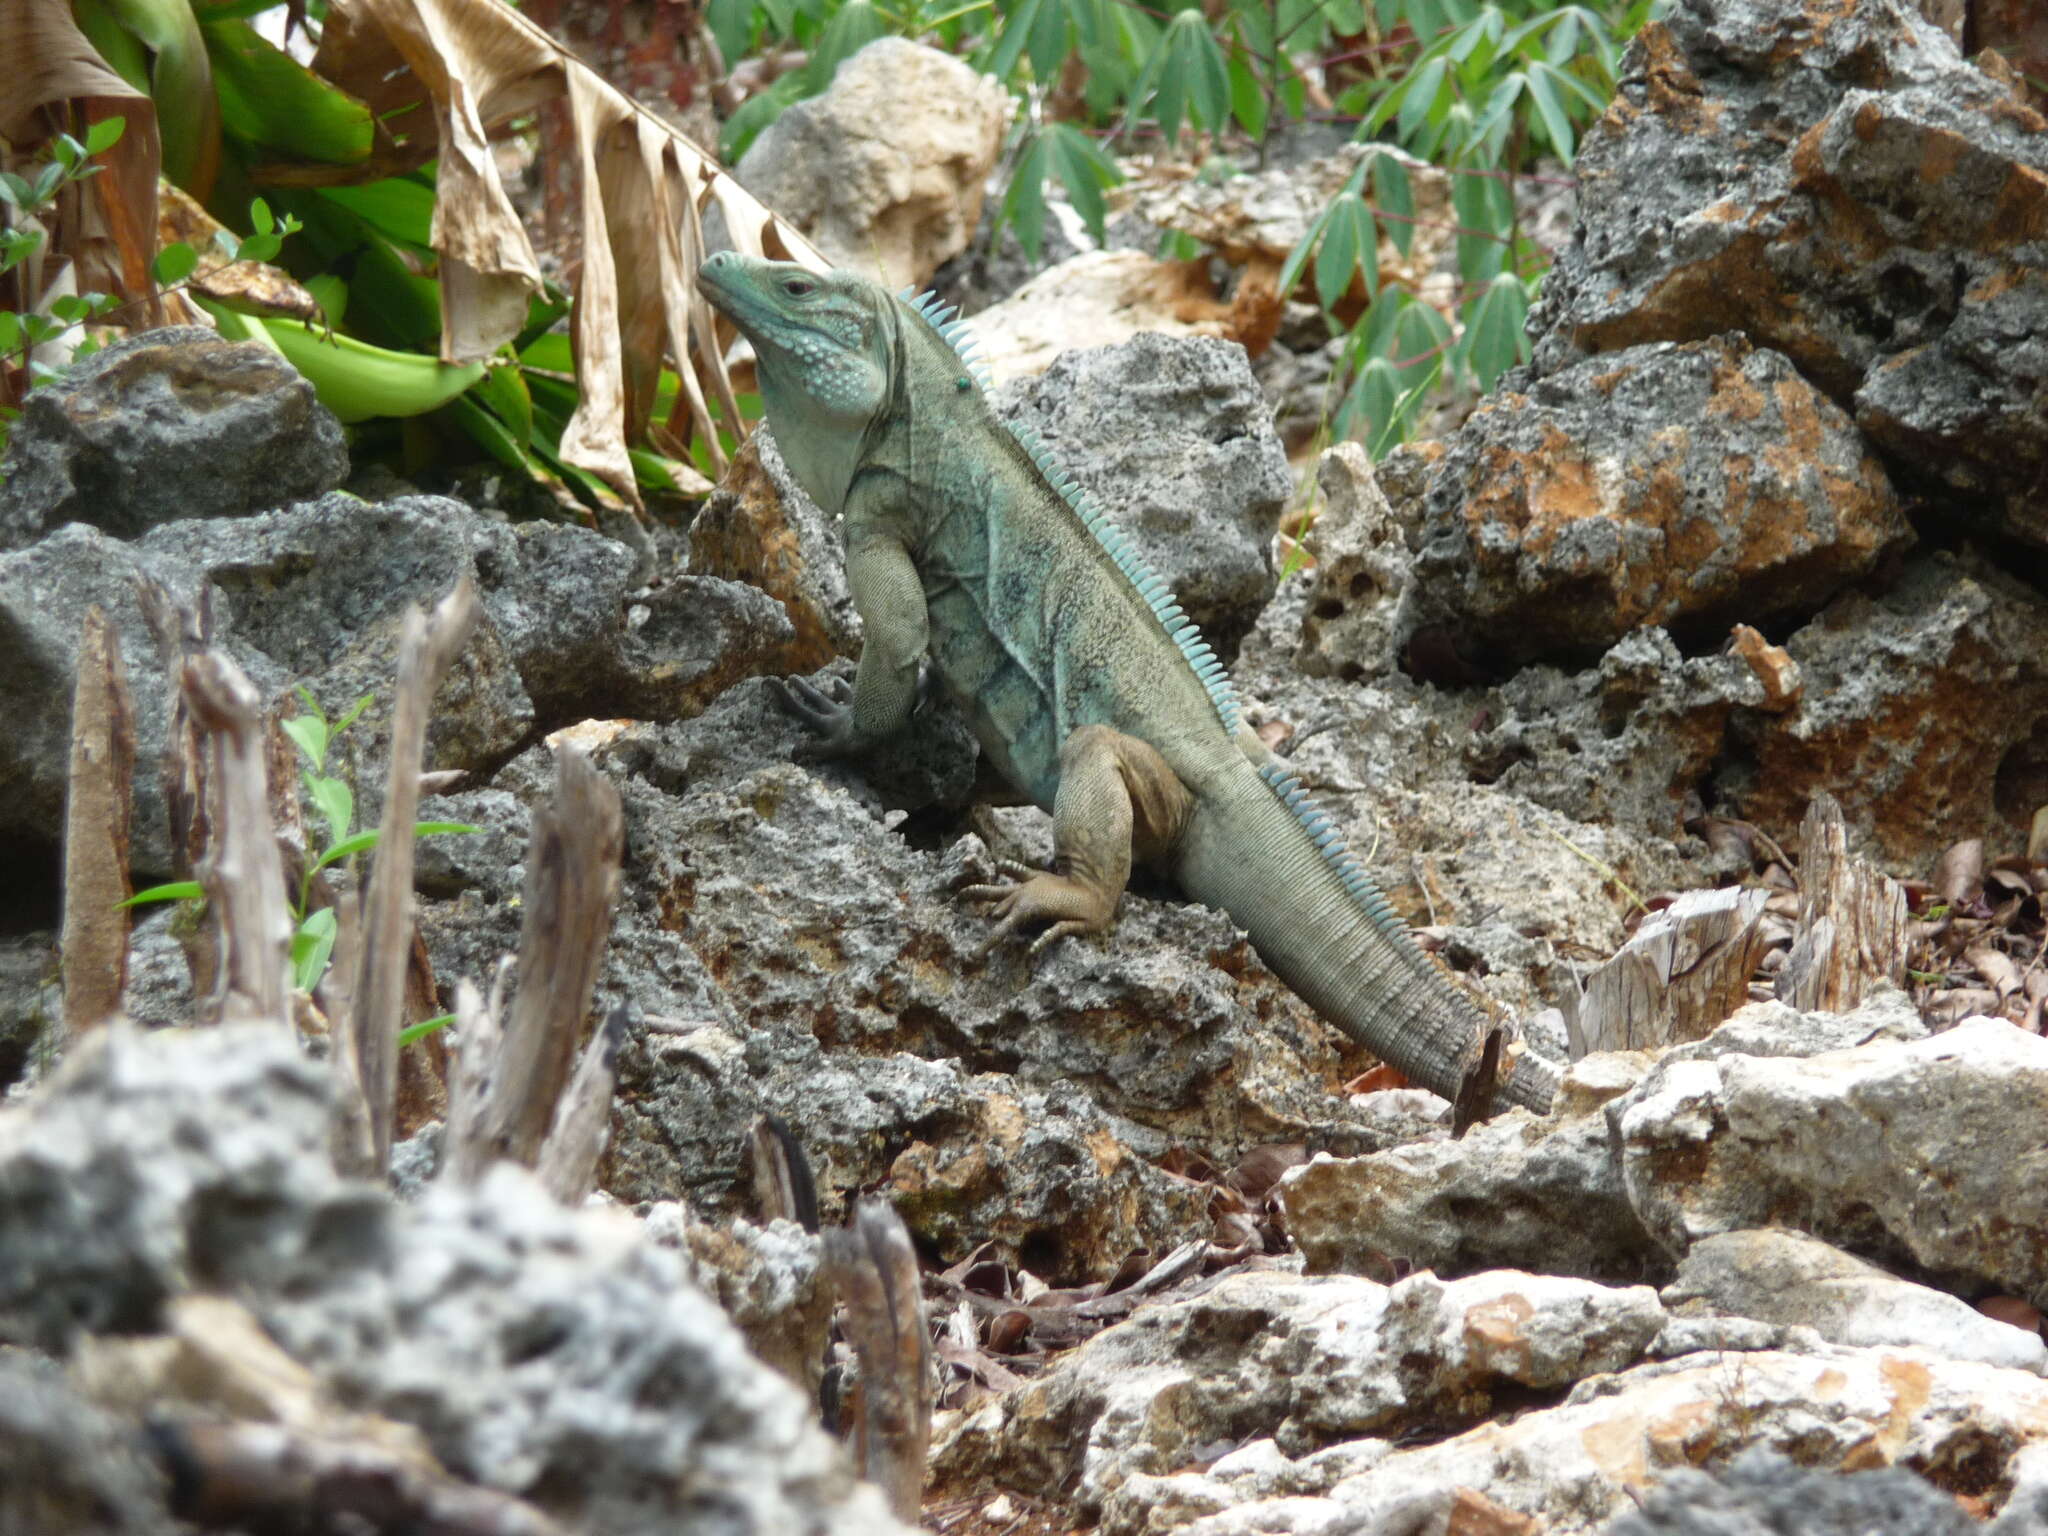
1083,680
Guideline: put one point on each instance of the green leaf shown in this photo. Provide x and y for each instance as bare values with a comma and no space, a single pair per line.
10,331
176,890
1048,45
1485,220
1494,325
445,829
1208,77
397,207
14,190
1337,260
1024,201
1556,125
1010,42
856,25
173,264
1248,102
1419,101
269,99
104,134
347,848
503,390
312,947
337,804
353,714
1297,259
1083,169
309,732
1394,194
425,1027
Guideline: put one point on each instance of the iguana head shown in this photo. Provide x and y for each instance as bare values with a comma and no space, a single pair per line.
821,340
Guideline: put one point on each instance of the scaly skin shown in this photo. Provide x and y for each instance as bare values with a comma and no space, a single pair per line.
960,545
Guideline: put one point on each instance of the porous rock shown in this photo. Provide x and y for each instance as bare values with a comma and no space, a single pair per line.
1173,439
885,171
1678,485
314,595
1835,182
1362,569
1097,298
1517,1191
1931,699
164,425
1762,1493
67,1466
1921,1151
1571,1469
1307,1360
551,1354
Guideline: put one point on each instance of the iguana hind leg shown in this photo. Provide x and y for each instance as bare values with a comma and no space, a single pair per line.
1117,798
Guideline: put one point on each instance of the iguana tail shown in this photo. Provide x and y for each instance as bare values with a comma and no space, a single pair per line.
1276,866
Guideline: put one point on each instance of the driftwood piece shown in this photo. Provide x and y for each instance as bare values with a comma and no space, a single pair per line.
96,813
1851,932
240,872
572,879
465,1151
874,1268
182,631
366,1055
583,1118
784,1186
1684,970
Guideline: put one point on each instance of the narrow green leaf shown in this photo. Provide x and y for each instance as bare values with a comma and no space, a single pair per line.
1209,78
268,98
1048,41
1556,125
312,947
424,1028
10,331
1419,101
1298,258
1338,258
1170,101
347,848
1083,169
176,890
351,715
1247,98
14,190
1011,41
445,829
503,390
1024,201
1394,193
1494,329
1484,222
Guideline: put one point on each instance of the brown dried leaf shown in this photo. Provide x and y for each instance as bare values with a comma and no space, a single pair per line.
1260,1169
1377,1079
1996,968
1959,873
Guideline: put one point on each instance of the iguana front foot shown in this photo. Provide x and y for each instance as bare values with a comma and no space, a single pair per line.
1036,895
827,713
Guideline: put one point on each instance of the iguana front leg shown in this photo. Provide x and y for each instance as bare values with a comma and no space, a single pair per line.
1117,799
895,628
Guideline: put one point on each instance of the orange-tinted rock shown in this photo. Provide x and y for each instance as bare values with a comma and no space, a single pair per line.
1682,486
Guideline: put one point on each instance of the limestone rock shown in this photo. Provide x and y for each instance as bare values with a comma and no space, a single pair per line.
1685,486
1098,298
1174,440
164,425
1839,185
1786,1277
885,171
1313,1361
1922,1151
1362,570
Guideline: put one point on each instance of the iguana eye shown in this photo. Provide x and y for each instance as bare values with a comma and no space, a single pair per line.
797,287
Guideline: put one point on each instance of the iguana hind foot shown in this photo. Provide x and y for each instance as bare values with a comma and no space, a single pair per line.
1116,798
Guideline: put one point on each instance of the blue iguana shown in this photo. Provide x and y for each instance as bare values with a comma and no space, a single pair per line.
1084,681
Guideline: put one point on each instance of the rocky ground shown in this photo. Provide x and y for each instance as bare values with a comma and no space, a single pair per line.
1762,520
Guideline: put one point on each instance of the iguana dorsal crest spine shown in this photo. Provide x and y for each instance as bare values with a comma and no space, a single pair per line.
1315,821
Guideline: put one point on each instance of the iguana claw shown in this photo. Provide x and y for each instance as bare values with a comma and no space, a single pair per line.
1032,896
827,712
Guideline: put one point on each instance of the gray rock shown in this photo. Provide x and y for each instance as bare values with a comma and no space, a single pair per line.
163,425
1844,189
1684,486
886,170
31,1000
1362,570
1922,1152
1515,1192
1311,1360
1171,436
551,1354
66,1466
1763,1493
1791,1279
1931,699
313,596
